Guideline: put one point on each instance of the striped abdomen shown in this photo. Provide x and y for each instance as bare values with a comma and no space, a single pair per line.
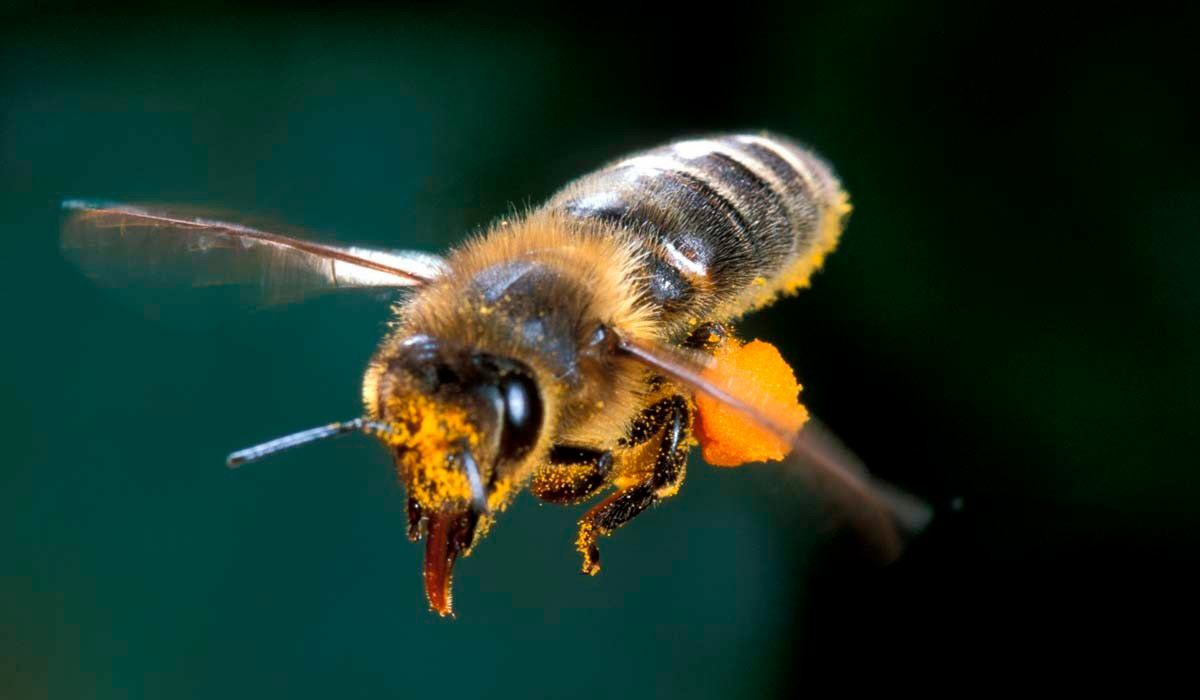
727,222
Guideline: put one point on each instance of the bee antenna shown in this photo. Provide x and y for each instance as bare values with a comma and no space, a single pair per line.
279,444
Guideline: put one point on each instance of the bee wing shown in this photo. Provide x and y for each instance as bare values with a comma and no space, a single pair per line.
888,517
883,515
120,244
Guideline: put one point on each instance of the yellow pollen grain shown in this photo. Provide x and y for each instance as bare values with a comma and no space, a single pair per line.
429,432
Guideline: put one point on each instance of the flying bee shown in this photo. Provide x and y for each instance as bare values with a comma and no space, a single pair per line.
581,347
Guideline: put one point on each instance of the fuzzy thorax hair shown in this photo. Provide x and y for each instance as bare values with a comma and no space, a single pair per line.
535,289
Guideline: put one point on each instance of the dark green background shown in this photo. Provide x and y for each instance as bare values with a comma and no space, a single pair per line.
1011,321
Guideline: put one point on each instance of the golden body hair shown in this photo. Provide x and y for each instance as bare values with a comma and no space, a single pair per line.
587,275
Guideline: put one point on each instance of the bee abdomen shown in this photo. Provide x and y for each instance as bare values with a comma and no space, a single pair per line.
723,220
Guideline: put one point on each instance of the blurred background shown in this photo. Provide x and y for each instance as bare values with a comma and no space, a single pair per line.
1009,329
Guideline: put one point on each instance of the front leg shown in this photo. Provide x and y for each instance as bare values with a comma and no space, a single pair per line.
672,418
572,475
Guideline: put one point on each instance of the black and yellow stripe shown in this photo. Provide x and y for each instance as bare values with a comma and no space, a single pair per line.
724,220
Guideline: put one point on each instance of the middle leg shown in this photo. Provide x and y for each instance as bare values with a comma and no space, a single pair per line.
572,475
671,418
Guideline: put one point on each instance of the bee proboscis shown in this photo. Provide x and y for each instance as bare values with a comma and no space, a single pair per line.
585,345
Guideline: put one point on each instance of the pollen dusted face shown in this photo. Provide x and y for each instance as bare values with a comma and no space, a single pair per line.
434,444
459,425
429,440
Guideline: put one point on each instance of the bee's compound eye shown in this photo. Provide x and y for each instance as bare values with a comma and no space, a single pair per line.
522,415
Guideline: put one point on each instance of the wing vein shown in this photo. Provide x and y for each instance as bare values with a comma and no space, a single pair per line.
238,230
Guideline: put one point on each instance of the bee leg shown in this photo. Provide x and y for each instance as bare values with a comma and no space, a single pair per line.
573,474
709,336
416,516
671,417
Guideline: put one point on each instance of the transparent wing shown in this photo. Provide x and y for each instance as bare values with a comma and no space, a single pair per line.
120,245
883,515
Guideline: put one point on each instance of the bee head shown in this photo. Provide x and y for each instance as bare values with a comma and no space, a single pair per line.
460,424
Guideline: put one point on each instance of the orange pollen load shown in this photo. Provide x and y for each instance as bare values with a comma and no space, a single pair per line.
757,374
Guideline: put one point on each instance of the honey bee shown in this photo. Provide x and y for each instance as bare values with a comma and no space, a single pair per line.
580,347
